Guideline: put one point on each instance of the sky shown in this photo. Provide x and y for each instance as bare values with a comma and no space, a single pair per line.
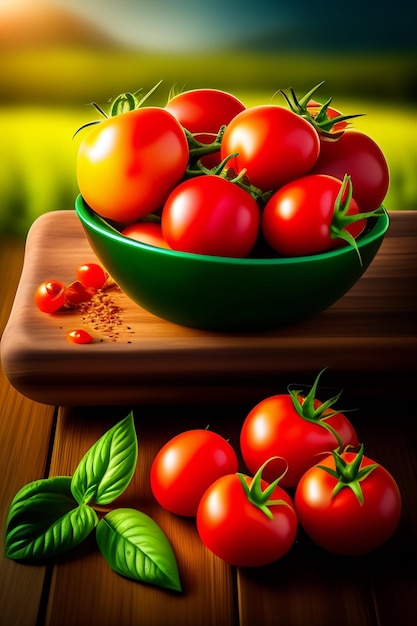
184,25
198,25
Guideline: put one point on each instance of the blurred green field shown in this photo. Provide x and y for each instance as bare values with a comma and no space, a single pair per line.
37,163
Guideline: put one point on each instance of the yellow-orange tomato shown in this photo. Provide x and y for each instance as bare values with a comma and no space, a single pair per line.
128,164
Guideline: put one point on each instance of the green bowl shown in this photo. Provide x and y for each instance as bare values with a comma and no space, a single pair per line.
228,294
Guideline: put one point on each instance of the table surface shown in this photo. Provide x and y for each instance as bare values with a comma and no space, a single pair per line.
144,358
307,586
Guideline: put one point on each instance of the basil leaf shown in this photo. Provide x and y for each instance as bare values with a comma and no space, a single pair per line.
44,520
108,466
136,547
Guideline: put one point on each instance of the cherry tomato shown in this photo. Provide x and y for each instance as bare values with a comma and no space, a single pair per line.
146,232
358,155
186,465
50,296
128,164
203,111
211,215
76,293
92,275
274,145
79,336
296,427
302,217
348,504
245,521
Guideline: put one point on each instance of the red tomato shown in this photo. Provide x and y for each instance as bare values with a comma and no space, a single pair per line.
203,111
358,155
351,509
245,526
50,296
92,275
302,217
76,293
186,465
79,336
146,232
211,215
274,145
298,428
128,164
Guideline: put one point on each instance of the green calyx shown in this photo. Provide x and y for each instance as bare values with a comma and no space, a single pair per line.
341,218
196,168
321,121
124,103
261,497
198,150
311,411
349,474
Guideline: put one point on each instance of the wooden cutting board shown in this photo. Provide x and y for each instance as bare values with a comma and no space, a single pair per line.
142,358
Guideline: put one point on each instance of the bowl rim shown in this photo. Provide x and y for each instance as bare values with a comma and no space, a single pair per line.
100,225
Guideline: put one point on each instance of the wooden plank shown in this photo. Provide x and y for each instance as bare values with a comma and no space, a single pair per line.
371,326
11,262
84,589
25,432
307,586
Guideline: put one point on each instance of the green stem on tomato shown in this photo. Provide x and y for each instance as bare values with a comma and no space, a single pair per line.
321,121
307,409
261,497
349,474
341,218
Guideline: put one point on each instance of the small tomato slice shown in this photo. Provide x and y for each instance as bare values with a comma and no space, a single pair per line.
79,336
76,293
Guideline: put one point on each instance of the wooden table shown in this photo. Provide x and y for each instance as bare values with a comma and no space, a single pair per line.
368,340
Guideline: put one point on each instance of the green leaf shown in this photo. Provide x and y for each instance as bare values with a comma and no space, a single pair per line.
136,547
107,468
44,520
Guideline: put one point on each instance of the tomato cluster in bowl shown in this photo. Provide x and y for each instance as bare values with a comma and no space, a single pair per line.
207,175
216,216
